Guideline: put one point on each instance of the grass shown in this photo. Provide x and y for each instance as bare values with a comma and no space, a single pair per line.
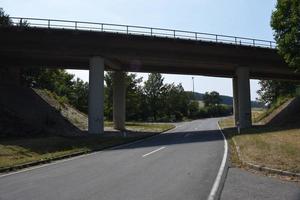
143,127
279,101
257,115
275,147
17,151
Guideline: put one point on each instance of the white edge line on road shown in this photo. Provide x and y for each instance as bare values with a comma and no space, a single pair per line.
147,154
216,185
45,165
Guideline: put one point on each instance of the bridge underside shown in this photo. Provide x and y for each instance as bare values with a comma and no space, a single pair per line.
73,49
99,51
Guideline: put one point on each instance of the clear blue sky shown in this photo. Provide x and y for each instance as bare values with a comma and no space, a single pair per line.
229,17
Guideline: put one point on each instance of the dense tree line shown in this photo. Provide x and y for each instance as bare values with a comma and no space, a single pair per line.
152,100
156,101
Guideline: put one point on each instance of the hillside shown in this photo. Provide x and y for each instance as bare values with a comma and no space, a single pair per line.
225,99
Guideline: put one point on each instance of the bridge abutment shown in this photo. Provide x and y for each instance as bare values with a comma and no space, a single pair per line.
96,95
243,94
10,76
119,100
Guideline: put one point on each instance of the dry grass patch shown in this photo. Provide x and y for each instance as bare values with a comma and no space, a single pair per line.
267,146
278,149
16,151
256,115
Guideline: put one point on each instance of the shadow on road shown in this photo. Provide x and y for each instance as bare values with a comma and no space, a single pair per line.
51,144
176,138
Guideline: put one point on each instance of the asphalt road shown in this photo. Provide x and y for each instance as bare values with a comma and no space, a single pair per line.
180,164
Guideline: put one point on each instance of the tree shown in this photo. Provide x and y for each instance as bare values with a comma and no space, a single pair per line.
176,101
153,89
79,95
272,89
286,24
212,98
55,80
193,109
108,95
4,18
135,100
59,82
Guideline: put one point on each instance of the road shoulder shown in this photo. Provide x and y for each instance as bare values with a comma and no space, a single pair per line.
241,184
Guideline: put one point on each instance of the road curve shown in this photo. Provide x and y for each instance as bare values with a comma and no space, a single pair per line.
180,164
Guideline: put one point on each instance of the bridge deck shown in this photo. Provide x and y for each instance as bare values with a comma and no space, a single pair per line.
73,47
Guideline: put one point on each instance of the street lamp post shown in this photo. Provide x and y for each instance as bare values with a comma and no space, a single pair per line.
193,88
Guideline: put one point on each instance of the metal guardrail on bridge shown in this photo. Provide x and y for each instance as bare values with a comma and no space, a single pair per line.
141,30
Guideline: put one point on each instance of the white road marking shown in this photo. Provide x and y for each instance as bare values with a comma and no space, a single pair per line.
76,157
187,135
147,154
216,185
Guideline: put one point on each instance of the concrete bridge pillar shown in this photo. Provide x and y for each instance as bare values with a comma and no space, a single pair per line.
244,101
119,100
96,95
235,100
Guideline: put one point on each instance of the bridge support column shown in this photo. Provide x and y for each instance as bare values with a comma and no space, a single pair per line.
235,100
96,96
244,102
119,100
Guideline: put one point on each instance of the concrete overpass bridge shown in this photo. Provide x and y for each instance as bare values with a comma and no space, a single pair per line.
98,47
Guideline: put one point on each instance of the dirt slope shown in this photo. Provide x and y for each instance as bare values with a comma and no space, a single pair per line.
23,111
286,114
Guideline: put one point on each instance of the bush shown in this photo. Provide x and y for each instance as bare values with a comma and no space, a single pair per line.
193,109
214,111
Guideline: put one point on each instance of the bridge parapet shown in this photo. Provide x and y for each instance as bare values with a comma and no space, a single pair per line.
142,30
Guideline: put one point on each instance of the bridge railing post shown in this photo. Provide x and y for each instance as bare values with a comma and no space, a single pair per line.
174,33
75,25
48,23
